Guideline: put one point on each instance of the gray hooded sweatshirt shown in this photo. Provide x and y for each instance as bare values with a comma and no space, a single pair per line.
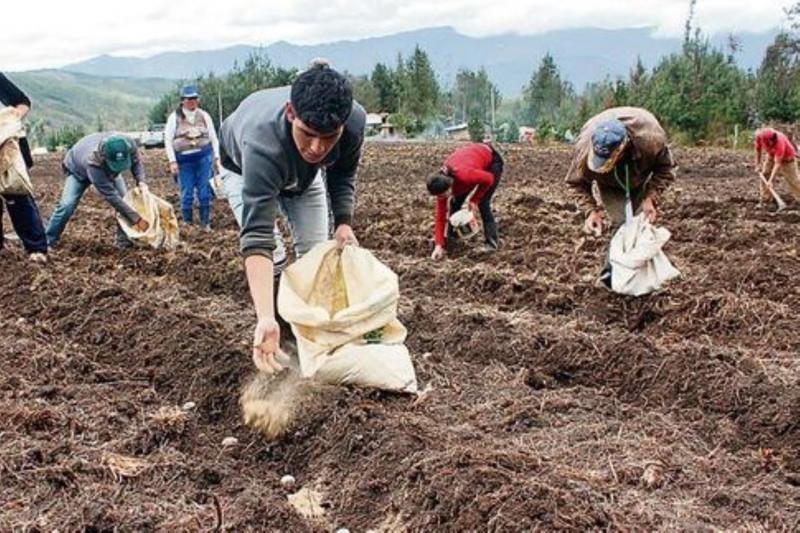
256,142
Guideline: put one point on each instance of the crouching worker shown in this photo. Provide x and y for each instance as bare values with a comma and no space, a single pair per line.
781,158
475,168
621,154
98,159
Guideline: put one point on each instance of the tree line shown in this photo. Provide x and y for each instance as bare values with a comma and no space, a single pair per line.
409,92
699,92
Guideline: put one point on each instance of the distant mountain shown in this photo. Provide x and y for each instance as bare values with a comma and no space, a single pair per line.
61,98
584,55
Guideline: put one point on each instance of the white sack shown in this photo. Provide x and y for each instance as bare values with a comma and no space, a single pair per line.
163,230
342,307
638,264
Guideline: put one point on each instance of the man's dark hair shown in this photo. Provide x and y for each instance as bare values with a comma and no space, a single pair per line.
322,98
438,183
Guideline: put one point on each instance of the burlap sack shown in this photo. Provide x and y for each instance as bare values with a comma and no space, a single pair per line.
342,307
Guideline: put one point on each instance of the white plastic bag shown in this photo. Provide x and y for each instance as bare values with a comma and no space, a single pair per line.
159,214
342,307
638,263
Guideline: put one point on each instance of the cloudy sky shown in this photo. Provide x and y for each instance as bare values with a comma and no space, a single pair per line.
51,34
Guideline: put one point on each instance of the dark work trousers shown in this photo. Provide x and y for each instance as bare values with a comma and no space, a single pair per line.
485,205
27,222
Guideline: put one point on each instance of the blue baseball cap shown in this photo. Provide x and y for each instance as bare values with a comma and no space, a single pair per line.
609,139
190,91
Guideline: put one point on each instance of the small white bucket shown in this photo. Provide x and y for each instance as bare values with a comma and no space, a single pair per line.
464,224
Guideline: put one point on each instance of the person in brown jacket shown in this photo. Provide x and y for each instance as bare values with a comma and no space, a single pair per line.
621,154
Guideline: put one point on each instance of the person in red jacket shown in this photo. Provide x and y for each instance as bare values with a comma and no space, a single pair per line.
474,168
781,158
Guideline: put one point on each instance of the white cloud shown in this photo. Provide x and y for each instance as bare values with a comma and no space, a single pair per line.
56,33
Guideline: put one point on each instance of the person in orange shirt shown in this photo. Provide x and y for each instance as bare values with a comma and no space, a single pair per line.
781,158
474,167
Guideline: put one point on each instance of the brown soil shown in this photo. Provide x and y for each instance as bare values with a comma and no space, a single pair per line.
548,403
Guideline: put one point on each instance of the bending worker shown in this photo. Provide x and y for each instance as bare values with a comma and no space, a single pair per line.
781,159
621,154
98,159
474,168
291,148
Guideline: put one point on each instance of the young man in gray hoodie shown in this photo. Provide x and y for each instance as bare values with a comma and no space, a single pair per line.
290,148
98,159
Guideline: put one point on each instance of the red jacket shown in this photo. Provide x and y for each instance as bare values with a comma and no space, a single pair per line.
469,168
782,150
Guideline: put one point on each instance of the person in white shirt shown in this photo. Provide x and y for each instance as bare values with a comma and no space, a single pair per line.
193,151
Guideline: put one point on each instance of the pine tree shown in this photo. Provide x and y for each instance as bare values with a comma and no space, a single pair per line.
420,88
475,127
543,96
365,93
472,94
385,82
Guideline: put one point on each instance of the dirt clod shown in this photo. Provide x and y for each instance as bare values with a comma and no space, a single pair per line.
307,502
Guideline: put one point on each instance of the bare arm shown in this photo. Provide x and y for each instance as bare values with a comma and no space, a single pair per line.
262,181
266,338
260,278
775,169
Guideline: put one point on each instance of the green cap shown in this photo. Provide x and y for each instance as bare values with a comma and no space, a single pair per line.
117,152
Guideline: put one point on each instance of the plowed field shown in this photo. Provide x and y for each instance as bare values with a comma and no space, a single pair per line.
548,403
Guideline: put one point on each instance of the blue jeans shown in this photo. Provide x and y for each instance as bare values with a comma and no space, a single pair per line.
70,197
307,214
27,222
193,175
232,185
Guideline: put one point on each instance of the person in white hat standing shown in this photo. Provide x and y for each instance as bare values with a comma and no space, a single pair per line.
193,151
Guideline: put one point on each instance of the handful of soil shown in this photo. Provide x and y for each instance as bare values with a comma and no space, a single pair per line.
271,403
